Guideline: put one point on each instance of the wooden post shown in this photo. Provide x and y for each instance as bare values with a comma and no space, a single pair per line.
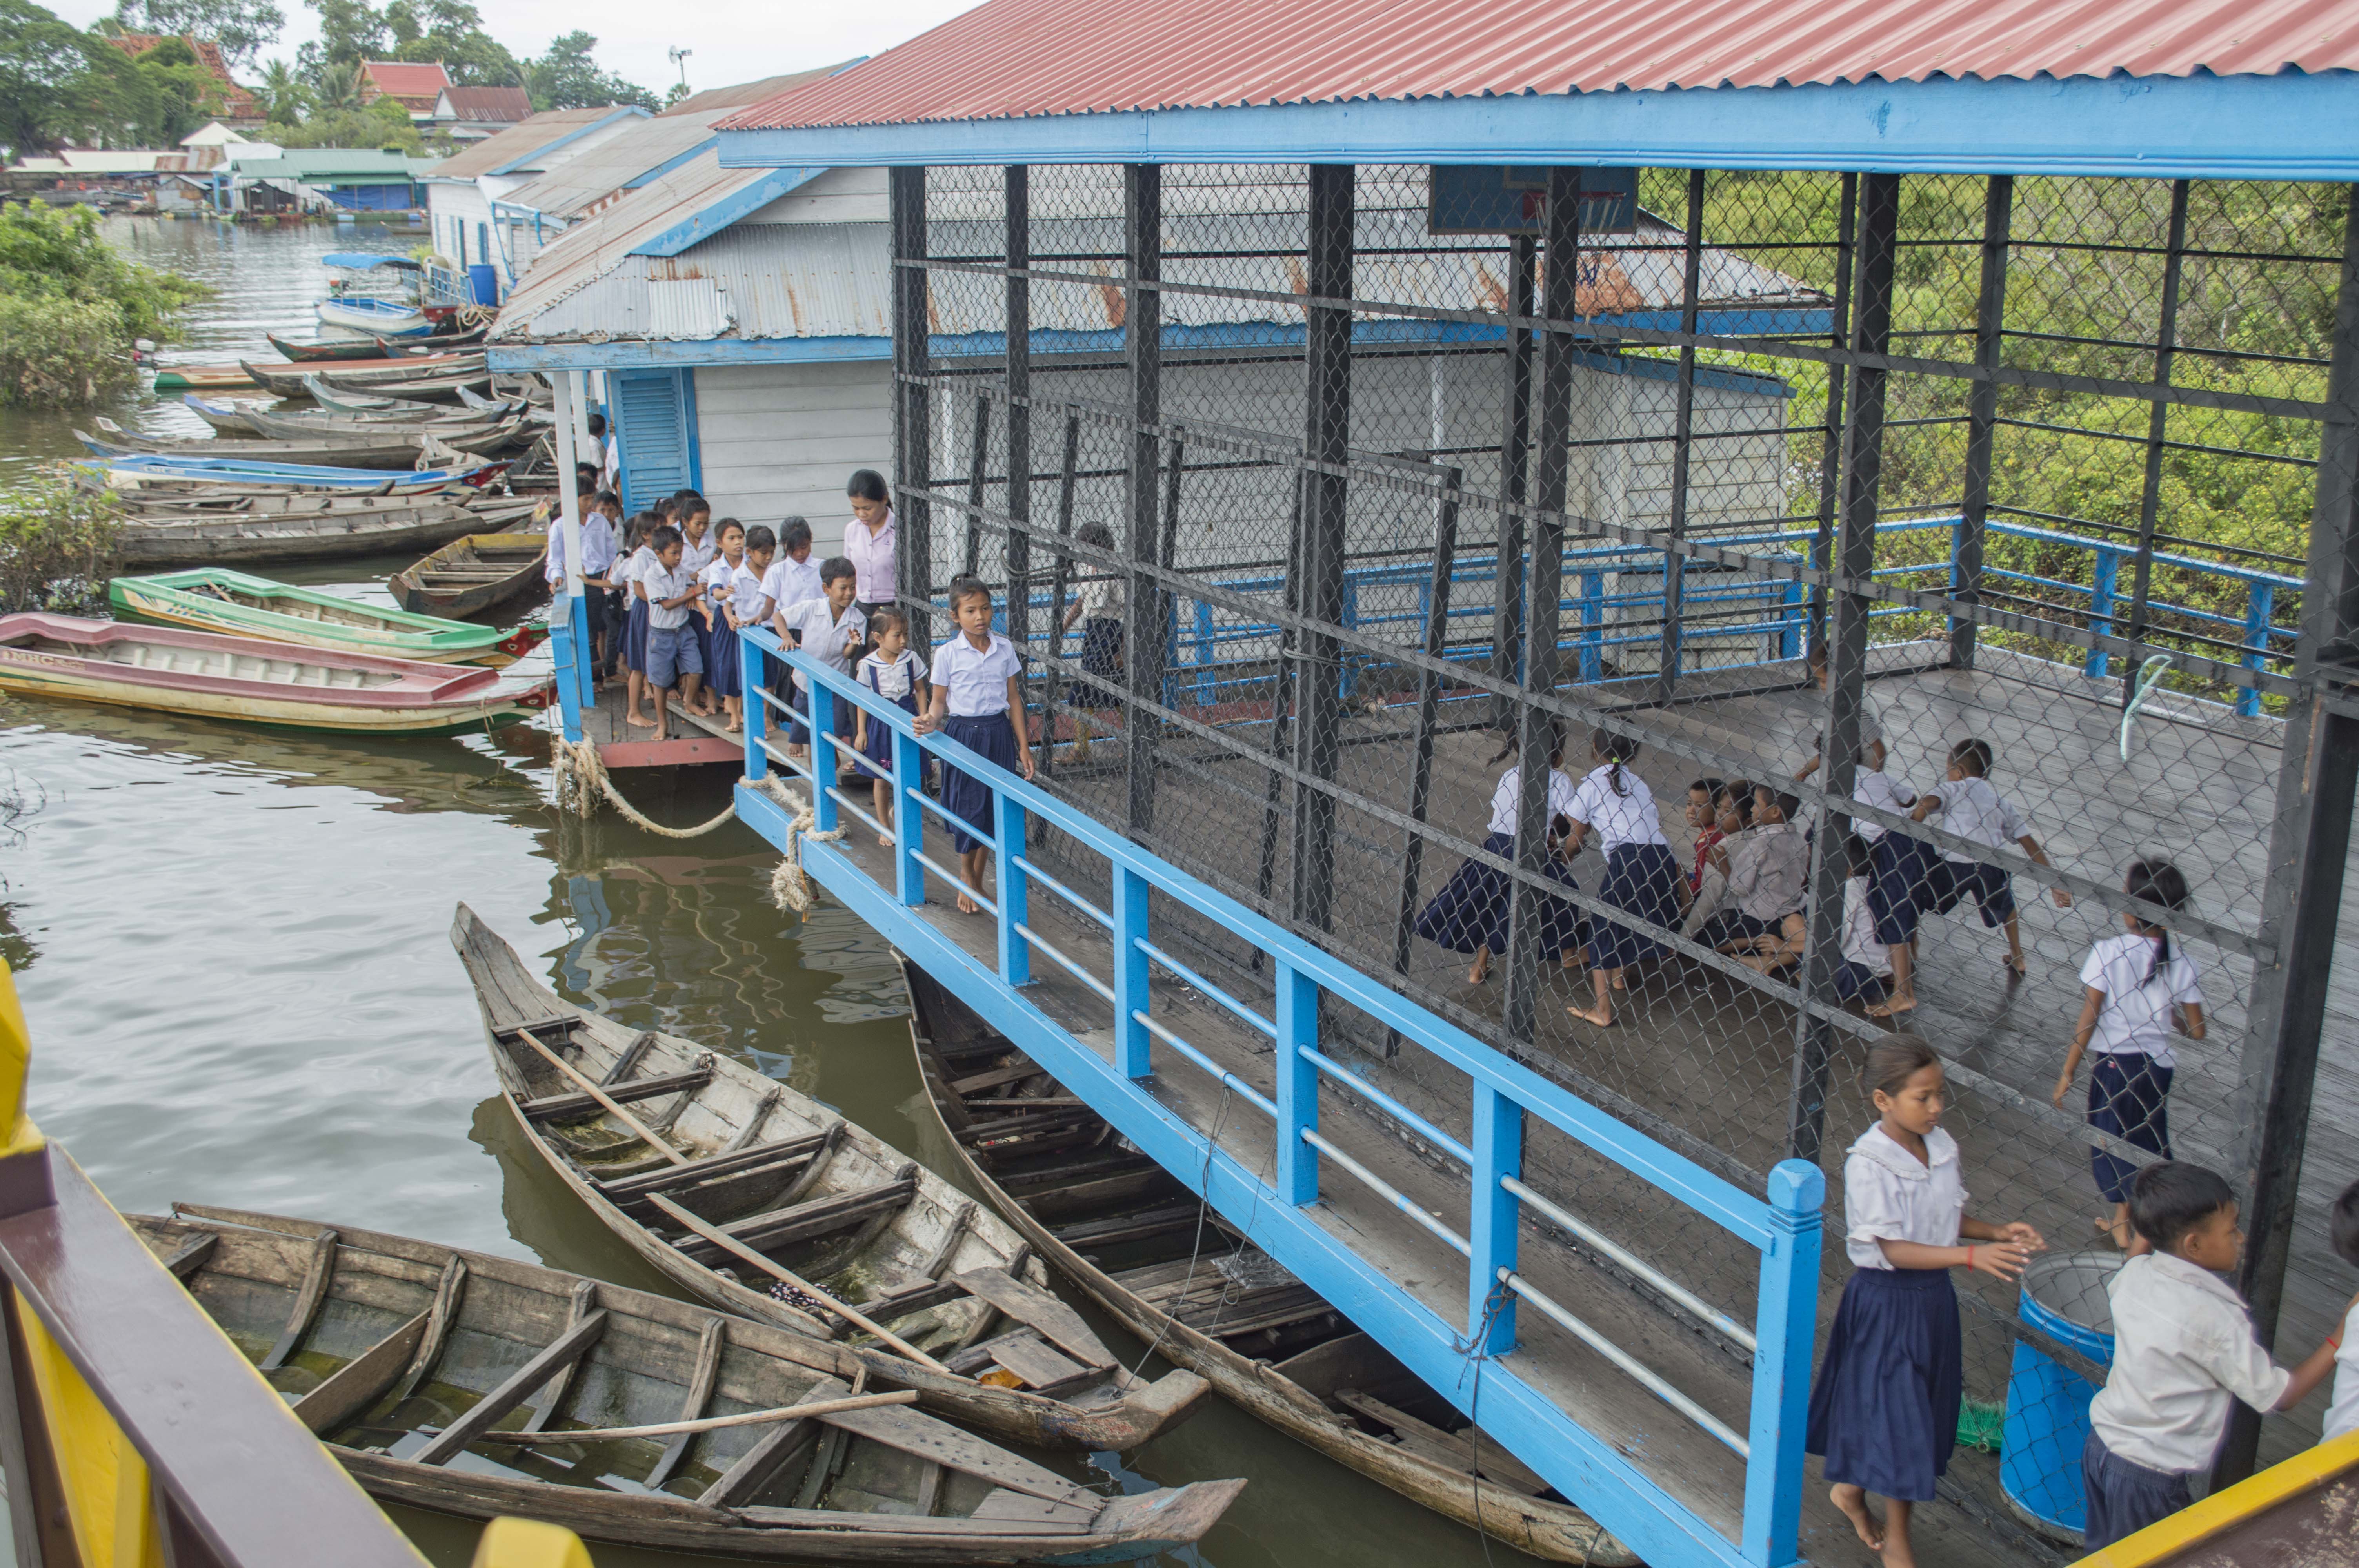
1298,1085
570,644
1785,1324
1133,1053
1492,1225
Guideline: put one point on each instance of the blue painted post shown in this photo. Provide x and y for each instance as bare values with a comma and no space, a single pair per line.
823,754
1785,1324
909,820
2260,605
564,651
1957,546
1491,1225
2101,608
1133,1052
1298,1085
752,671
1351,621
1789,625
1204,683
1593,626
1013,890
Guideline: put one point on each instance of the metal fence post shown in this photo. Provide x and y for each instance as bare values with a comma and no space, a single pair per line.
1297,1018
1018,224
2166,350
1785,1324
913,567
1319,685
1134,1048
2101,607
1514,481
1013,891
1830,456
1493,1223
1143,337
909,820
1667,674
1982,418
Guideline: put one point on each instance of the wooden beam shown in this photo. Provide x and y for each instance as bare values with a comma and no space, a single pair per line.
709,1423
308,1299
569,1347
759,1462
621,1189
549,1108
601,1095
699,1391
1036,1308
584,1302
449,1291
358,1383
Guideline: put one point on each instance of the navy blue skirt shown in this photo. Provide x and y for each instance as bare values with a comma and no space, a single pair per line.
1641,879
1471,909
724,663
876,752
1884,1412
634,636
968,800
1901,888
2129,1096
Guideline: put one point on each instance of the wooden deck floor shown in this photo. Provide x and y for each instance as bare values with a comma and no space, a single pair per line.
692,737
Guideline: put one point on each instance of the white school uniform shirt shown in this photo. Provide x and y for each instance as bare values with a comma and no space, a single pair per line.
789,583
1889,1196
2183,1349
1973,810
746,594
824,634
698,555
1859,943
1102,598
976,677
663,585
1871,729
891,677
635,565
2343,1409
2137,1014
1870,787
1629,817
1768,869
597,548
1506,799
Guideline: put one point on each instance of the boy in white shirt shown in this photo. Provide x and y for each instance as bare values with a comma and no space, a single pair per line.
833,630
2342,1407
1769,871
1973,810
2182,1349
673,655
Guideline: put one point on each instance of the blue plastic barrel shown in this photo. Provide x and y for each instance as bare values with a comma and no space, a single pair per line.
2047,1404
483,285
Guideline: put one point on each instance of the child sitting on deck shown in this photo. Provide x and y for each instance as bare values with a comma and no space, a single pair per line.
1769,871
1973,810
1470,914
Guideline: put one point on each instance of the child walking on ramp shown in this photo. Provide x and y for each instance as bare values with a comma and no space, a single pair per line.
894,672
978,701
1642,875
1883,1411
2135,989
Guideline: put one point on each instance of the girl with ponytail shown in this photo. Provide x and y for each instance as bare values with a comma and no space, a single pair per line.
1643,879
2138,988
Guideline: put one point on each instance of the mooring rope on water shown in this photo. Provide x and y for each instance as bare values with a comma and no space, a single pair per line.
582,779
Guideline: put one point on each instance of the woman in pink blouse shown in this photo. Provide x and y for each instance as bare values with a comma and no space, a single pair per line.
869,540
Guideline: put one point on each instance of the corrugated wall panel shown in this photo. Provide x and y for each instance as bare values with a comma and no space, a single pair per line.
781,439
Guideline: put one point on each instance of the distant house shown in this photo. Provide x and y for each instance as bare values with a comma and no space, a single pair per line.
463,191
474,114
359,179
212,145
417,88
237,106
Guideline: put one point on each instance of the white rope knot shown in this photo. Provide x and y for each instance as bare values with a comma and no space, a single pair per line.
581,780
790,885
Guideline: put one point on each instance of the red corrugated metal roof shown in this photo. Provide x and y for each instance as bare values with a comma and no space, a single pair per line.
1014,57
413,85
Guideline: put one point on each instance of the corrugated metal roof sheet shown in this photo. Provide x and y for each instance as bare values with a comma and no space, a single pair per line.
522,141
750,92
1015,58
503,105
579,184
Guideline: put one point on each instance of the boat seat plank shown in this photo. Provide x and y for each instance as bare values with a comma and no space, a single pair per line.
628,1062
1004,1507
621,1188
362,1381
308,1299
1127,1228
753,1128
995,1078
450,1290
191,1255
904,1524
780,1228
567,1348
1026,1355
583,1303
1493,1462
550,1107
700,1394
1030,1304
913,1431
757,1464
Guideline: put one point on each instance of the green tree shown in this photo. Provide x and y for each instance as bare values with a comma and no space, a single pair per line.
451,32
566,77
283,95
349,31
59,83
242,29
71,306
384,124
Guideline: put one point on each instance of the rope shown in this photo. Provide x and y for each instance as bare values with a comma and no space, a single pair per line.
2150,675
791,886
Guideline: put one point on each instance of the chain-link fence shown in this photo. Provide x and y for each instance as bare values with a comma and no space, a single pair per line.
1338,494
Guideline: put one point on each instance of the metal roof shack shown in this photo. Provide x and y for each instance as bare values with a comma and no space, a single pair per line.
528,147
639,155
483,110
2097,86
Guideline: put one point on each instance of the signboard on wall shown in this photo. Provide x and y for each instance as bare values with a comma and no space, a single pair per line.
1511,199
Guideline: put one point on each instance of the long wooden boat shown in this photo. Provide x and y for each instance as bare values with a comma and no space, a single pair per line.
317,423
365,404
386,318
442,386
1126,1232
215,599
255,682
228,416
180,469
473,574
722,1178
331,449
154,543
203,378
435,343
403,1356
287,380
330,350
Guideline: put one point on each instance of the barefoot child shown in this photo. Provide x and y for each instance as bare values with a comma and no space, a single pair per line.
1973,810
1883,1411
978,701
893,670
1642,875
2342,1405
2183,1349
1470,914
830,629
639,561
1871,722
740,607
720,636
2135,989
669,588
1900,872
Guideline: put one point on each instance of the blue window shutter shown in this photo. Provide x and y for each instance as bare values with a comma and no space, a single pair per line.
655,419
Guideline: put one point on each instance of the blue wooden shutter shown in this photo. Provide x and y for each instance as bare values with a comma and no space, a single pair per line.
655,421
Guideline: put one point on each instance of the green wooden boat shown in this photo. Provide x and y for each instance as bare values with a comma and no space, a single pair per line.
213,599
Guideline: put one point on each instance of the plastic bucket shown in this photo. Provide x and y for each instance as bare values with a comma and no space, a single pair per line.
2047,1404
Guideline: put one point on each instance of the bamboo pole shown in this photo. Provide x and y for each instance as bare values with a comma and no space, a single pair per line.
601,1095
711,1422
729,1243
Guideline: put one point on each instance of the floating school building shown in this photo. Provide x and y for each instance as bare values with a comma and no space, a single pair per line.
2042,424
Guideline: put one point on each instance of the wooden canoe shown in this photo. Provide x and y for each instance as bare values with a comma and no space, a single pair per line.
182,471
404,1356
332,450
358,375
213,599
157,541
338,348
1163,1265
787,1181
203,378
473,573
198,674
441,387
228,416
319,425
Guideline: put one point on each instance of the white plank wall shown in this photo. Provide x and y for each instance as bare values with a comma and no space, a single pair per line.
781,439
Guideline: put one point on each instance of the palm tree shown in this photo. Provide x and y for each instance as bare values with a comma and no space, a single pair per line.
343,86
283,96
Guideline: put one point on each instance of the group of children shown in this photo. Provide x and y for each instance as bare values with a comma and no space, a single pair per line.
1883,1410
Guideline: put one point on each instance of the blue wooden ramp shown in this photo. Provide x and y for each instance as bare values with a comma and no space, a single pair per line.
1674,1420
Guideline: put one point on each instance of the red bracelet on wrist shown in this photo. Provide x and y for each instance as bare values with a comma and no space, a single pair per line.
1970,1257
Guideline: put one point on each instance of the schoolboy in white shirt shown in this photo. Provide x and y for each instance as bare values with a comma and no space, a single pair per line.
2183,1349
831,628
1975,811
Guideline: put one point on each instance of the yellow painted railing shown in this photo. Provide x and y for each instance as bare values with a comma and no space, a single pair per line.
132,1432
2301,1512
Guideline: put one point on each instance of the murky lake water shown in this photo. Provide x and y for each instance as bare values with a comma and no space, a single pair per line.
232,948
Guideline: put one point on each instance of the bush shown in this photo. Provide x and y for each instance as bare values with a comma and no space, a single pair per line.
61,354
57,541
70,307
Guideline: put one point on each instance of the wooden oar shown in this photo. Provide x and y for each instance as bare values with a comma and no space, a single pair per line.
711,1422
729,1243
601,1095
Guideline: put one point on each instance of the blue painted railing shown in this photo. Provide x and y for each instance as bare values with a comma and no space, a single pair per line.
1470,1353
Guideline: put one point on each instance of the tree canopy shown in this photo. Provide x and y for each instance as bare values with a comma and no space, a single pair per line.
566,77
241,29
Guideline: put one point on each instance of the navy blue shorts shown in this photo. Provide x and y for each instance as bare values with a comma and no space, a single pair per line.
1734,926
1905,868
1990,887
2125,1498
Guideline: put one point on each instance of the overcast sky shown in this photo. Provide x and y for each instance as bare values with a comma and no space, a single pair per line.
732,40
